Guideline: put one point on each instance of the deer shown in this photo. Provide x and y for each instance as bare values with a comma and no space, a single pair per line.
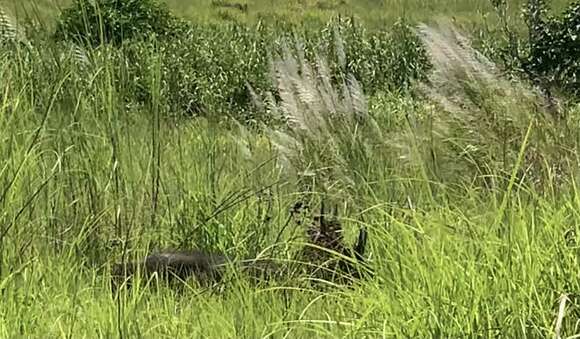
325,240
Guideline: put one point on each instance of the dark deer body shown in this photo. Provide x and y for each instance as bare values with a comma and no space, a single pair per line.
170,265
335,261
205,268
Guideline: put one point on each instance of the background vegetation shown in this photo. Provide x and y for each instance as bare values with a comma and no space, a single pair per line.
375,13
202,130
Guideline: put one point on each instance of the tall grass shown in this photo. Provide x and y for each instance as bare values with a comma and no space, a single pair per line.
87,178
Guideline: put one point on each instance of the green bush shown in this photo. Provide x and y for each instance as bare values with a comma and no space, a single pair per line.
554,46
203,72
114,21
549,54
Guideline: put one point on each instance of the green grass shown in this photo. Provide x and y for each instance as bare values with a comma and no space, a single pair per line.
86,173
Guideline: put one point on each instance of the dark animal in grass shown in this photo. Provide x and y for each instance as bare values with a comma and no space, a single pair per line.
171,265
180,265
328,256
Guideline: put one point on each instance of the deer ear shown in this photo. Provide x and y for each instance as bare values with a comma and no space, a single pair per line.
322,221
361,244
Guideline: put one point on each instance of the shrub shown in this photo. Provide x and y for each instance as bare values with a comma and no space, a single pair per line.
549,54
114,21
554,46
200,73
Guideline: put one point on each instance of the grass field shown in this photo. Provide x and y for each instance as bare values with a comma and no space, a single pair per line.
469,192
375,13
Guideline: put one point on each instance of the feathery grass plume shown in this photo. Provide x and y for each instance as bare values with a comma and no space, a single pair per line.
8,30
11,30
327,128
481,120
80,55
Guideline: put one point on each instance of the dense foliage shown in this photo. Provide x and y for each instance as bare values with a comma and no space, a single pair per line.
554,45
550,52
205,69
115,21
